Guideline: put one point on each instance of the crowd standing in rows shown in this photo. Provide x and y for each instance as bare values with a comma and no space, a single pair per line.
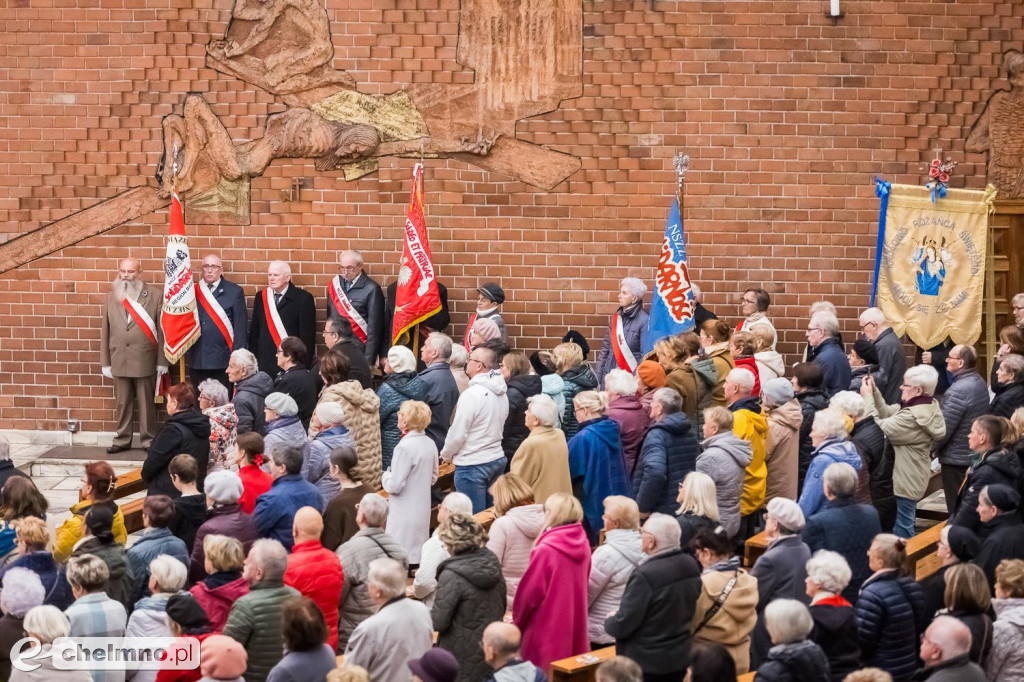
288,511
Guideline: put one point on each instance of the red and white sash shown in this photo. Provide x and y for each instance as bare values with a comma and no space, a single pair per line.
620,347
274,323
141,318
346,309
217,313
469,330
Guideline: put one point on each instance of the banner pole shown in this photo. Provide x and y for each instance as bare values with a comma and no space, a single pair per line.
415,331
990,300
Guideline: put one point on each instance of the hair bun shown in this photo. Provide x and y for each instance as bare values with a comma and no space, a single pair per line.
721,531
901,544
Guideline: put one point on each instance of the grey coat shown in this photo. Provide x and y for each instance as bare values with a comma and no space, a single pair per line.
724,459
964,401
633,326
384,642
892,363
368,300
355,555
780,574
442,396
250,393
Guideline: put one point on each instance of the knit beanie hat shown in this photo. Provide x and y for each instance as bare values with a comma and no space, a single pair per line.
487,329
652,374
777,391
538,365
1003,497
787,513
223,486
866,351
283,404
222,658
963,543
329,413
401,359
184,610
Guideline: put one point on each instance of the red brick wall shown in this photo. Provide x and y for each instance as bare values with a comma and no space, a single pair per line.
786,114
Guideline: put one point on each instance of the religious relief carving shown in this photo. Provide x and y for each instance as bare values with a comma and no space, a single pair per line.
526,56
1000,132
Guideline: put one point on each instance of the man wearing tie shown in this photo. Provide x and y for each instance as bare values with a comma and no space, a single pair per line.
280,310
354,296
131,352
223,321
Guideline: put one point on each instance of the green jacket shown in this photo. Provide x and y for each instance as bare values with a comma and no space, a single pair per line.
912,431
249,624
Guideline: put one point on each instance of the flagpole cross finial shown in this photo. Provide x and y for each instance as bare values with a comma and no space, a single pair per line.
681,162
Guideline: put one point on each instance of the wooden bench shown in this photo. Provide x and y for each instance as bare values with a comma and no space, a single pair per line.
754,548
922,552
485,518
580,668
133,515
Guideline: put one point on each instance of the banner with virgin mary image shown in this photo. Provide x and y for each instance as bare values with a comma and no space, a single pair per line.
930,264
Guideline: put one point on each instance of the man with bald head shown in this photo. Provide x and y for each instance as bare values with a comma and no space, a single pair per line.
279,311
945,651
315,571
223,324
131,351
355,296
501,644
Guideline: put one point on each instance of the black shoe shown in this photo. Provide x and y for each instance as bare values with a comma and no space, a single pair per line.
114,449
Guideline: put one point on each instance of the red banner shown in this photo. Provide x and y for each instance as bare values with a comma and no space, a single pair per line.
417,296
179,318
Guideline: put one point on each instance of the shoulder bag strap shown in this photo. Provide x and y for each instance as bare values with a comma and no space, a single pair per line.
717,606
376,542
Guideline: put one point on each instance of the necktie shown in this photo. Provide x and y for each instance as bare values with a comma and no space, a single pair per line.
211,286
277,298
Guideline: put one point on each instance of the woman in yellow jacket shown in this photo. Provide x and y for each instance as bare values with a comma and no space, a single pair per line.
97,489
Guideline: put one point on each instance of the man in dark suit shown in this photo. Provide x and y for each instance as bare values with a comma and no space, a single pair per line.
338,334
355,296
280,310
223,321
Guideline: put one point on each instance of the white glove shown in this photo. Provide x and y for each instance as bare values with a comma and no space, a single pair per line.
161,370
105,371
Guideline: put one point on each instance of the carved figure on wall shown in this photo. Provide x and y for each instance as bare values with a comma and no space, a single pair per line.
1000,132
282,46
526,58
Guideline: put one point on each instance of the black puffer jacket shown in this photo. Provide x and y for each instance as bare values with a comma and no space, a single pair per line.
577,380
518,390
1008,400
890,615
812,401
184,433
250,394
801,662
996,466
835,631
876,452
669,452
470,596
964,401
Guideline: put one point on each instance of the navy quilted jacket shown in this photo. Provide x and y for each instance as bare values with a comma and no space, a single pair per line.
848,528
668,453
396,389
890,613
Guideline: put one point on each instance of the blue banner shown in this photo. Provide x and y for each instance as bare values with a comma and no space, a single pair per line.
672,303
882,189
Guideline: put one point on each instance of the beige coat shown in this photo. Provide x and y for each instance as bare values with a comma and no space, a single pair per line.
732,625
783,454
362,418
542,461
913,432
124,347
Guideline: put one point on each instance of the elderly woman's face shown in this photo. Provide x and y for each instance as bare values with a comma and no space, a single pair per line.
269,414
1003,375
817,437
626,297
908,392
986,510
235,371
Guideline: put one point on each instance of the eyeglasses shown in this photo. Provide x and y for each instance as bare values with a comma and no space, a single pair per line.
815,329
212,267
1018,307
868,324
279,351
952,357
349,268
747,300
328,333
476,361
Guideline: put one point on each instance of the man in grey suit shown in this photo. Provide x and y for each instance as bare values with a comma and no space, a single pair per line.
354,287
892,361
223,324
442,391
131,351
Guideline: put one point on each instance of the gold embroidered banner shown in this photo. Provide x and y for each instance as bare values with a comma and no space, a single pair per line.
931,273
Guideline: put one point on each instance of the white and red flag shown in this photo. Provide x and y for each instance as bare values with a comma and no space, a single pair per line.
179,318
417,296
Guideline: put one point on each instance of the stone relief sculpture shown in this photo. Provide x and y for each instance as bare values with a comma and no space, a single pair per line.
526,57
1000,132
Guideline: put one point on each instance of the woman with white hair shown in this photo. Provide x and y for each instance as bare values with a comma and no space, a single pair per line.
47,623
424,585
167,577
829,437
401,383
624,409
542,460
622,340
22,591
794,658
328,434
912,428
213,401
596,465
835,621
875,453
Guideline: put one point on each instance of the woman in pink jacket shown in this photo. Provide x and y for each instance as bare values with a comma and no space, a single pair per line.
551,602
517,524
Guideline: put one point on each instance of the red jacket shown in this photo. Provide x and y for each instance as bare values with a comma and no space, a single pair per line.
183,675
217,602
316,573
751,364
255,482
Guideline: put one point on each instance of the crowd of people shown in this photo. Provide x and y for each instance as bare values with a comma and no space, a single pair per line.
288,514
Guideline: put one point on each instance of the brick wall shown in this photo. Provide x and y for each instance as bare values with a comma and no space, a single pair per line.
786,114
